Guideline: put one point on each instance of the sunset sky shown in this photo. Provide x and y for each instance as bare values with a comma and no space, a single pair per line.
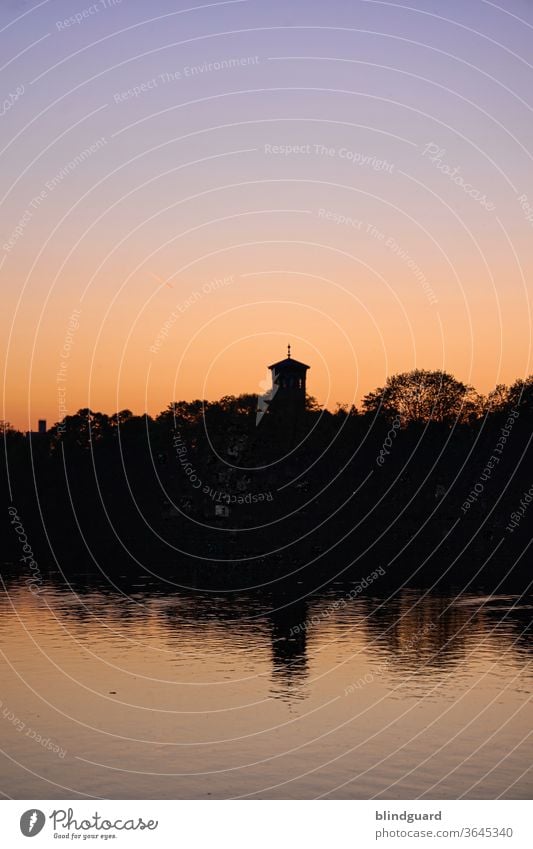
186,190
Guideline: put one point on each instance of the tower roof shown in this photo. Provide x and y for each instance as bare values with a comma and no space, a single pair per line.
289,363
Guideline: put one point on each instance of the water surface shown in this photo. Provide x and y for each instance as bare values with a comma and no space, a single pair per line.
153,692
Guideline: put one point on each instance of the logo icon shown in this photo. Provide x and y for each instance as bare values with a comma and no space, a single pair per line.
32,822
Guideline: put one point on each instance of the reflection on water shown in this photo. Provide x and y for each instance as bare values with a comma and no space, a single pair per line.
289,650
150,692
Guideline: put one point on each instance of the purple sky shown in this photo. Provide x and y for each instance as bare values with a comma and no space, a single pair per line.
144,143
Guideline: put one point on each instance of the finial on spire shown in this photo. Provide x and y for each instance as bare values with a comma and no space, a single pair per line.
288,351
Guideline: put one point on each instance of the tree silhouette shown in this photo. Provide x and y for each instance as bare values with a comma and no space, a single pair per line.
423,396
92,476
120,418
497,401
521,395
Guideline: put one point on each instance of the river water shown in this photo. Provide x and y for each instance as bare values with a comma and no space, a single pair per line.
156,692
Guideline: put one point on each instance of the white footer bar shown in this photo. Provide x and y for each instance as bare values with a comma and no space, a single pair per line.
168,824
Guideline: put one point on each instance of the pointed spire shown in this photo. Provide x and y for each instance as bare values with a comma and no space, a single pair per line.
288,351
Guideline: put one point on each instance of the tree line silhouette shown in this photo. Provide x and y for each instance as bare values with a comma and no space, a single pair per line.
424,477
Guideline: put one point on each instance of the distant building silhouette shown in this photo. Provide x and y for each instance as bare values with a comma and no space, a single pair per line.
285,401
288,392
41,429
289,376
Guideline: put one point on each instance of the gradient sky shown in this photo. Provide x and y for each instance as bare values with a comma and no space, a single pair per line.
193,249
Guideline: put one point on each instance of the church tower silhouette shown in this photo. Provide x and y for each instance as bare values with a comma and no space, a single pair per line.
288,384
285,402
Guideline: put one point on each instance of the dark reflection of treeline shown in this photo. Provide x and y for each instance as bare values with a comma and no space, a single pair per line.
412,631
428,479
423,633
428,632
